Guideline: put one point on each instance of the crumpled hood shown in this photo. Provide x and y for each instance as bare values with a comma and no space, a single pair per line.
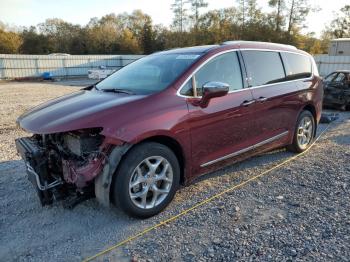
82,109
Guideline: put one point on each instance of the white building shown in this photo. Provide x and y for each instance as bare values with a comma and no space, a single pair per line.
340,46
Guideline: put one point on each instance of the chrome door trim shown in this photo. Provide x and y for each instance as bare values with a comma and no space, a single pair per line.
239,152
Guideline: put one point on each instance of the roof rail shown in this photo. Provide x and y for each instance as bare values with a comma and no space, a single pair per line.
257,42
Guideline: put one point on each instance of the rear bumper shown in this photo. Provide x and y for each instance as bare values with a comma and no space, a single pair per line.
36,160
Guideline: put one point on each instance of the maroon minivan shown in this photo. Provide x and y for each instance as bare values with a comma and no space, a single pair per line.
167,118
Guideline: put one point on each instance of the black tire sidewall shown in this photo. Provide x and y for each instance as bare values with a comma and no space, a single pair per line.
120,191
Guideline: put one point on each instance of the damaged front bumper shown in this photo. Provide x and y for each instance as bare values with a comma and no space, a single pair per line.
71,165
63,165
37,169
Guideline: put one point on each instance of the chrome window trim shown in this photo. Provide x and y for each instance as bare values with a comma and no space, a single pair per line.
239,152
248,88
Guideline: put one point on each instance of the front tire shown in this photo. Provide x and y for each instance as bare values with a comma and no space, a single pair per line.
304,132
146,180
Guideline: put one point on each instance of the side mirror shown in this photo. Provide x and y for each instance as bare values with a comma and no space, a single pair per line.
209,91
214,89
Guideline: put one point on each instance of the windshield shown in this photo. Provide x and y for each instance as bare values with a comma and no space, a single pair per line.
150,74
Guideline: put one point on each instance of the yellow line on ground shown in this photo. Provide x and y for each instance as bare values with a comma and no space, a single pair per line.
186,211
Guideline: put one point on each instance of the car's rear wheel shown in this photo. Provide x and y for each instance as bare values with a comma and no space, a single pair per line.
146,180
304,132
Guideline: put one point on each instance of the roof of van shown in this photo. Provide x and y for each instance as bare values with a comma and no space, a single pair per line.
233,44
256,44
192,49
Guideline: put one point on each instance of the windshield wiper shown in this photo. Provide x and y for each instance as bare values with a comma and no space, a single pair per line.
118,90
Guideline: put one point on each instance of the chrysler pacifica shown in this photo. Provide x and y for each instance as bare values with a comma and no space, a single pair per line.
132,139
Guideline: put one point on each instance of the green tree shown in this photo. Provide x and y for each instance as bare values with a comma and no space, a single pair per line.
180,15
298,11
250,15
147,38
341,24
63,37
34,43
316,48
10,42
280,5
196,5
140,24
113,34
220,25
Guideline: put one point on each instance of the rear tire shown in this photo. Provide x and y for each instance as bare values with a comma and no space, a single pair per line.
304,132
146,180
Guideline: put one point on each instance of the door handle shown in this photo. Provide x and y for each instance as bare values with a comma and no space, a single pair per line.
261,99
247,102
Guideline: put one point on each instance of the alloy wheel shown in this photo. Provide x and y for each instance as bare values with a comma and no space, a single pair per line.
305,132
151,182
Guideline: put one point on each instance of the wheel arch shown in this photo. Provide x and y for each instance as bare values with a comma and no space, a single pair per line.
174,146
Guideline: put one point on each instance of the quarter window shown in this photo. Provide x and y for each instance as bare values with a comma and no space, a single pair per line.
264,67
297,66
224,68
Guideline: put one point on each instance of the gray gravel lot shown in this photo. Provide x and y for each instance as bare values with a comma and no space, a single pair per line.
297,212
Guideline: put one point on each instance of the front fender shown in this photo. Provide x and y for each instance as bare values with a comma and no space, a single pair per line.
104,180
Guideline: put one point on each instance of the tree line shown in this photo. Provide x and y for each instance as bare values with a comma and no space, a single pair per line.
135,33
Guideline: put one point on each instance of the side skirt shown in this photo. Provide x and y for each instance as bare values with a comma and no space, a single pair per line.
245,150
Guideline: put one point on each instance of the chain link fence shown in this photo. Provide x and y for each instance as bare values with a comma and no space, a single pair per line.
31,66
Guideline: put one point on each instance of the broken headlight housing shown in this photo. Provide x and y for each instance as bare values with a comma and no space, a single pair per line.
82,142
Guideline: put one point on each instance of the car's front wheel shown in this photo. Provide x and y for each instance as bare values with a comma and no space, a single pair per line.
147,180
304,132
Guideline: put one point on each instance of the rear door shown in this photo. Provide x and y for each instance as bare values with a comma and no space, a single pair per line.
276,99
224,126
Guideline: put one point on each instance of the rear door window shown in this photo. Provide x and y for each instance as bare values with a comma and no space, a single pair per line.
264,67
297,66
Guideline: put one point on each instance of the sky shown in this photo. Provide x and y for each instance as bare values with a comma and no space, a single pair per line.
33,12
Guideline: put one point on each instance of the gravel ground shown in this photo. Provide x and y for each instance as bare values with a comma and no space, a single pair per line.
15,99
297,212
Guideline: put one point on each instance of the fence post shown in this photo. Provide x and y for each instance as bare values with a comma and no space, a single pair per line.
2,68
37,67
64,63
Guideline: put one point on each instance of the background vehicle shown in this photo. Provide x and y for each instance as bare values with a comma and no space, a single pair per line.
100,73
337,89
169,117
